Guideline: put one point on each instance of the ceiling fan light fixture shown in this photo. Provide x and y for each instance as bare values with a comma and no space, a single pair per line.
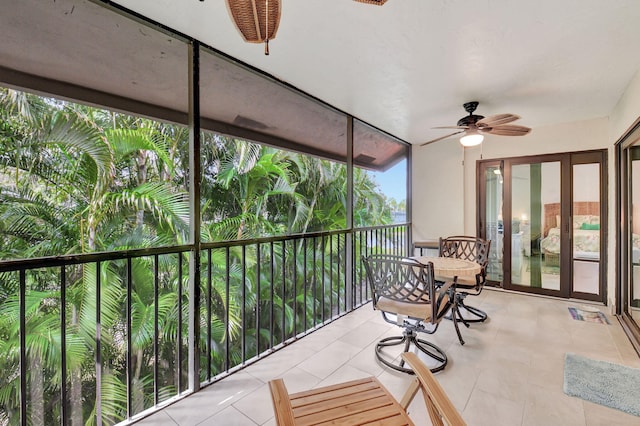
256,20
471,138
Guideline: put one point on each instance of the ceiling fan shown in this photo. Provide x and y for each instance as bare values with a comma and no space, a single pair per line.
473,126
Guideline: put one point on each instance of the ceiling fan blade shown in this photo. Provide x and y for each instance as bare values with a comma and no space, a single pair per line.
451,127
497,120
508,130
440,138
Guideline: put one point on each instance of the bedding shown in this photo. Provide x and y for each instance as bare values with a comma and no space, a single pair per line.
586,243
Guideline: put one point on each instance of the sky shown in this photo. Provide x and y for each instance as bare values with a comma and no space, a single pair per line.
393,182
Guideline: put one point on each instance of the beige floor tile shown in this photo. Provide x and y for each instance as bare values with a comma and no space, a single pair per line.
228,417
366,361
547,371
342,374
418,412
213,399
486,409
256,405
396,382
329,359
598,415
364,334
161,418
458,381
279,362
507,381
297,380
552,408
319,339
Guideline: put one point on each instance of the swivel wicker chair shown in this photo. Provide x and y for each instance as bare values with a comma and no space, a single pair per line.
474,249
406,293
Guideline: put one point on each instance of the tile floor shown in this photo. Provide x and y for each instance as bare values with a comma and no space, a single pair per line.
509,372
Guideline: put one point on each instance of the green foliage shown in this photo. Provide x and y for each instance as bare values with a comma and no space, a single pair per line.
76,179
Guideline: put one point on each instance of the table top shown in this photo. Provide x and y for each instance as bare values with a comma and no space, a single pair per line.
428,244
451,267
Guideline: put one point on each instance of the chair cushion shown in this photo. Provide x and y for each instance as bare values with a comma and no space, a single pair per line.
420,311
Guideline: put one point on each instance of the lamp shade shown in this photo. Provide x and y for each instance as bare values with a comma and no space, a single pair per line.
471,138
257,20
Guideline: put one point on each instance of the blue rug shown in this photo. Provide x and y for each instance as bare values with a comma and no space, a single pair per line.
604,383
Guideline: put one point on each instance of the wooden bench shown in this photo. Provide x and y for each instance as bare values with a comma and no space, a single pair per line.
363,401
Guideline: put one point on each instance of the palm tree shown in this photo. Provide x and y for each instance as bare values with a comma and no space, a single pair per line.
76,179
63,192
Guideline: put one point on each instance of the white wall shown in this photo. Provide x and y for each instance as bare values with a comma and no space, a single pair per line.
437,190
627,111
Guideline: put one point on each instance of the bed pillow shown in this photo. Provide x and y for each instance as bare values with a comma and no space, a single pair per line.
579,219
590,226
595,220
557,221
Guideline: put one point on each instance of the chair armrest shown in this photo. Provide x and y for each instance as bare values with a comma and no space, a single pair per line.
463,282
433,392
281,402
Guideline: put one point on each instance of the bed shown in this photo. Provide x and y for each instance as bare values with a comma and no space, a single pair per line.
586,232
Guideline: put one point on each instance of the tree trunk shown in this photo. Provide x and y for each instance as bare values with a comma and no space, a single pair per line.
75,398
142,178
75,384
36,390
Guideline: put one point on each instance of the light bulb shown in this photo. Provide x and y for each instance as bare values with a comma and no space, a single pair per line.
471,138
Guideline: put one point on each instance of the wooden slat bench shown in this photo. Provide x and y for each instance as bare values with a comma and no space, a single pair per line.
362,402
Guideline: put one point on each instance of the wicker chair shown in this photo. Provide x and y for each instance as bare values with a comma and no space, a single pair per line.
474,249
406,293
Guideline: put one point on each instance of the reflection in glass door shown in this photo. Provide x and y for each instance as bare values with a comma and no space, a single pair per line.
535,225
493,222
586,233
633,298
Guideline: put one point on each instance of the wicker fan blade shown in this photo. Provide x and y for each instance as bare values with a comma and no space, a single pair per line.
508,130
451,127
497,120
442,137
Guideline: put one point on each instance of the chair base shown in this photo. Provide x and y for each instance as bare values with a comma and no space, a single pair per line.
456,316
410,337
481,316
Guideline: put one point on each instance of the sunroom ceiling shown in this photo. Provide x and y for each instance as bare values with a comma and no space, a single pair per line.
404,67
87,52
409,65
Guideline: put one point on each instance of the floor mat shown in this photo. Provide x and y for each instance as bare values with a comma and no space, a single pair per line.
604,383
589,316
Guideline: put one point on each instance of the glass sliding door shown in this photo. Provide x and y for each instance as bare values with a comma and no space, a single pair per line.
543,217
535,233
587,235
634,238
493,225
628,231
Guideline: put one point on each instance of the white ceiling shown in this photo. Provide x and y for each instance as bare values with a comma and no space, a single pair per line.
409,65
